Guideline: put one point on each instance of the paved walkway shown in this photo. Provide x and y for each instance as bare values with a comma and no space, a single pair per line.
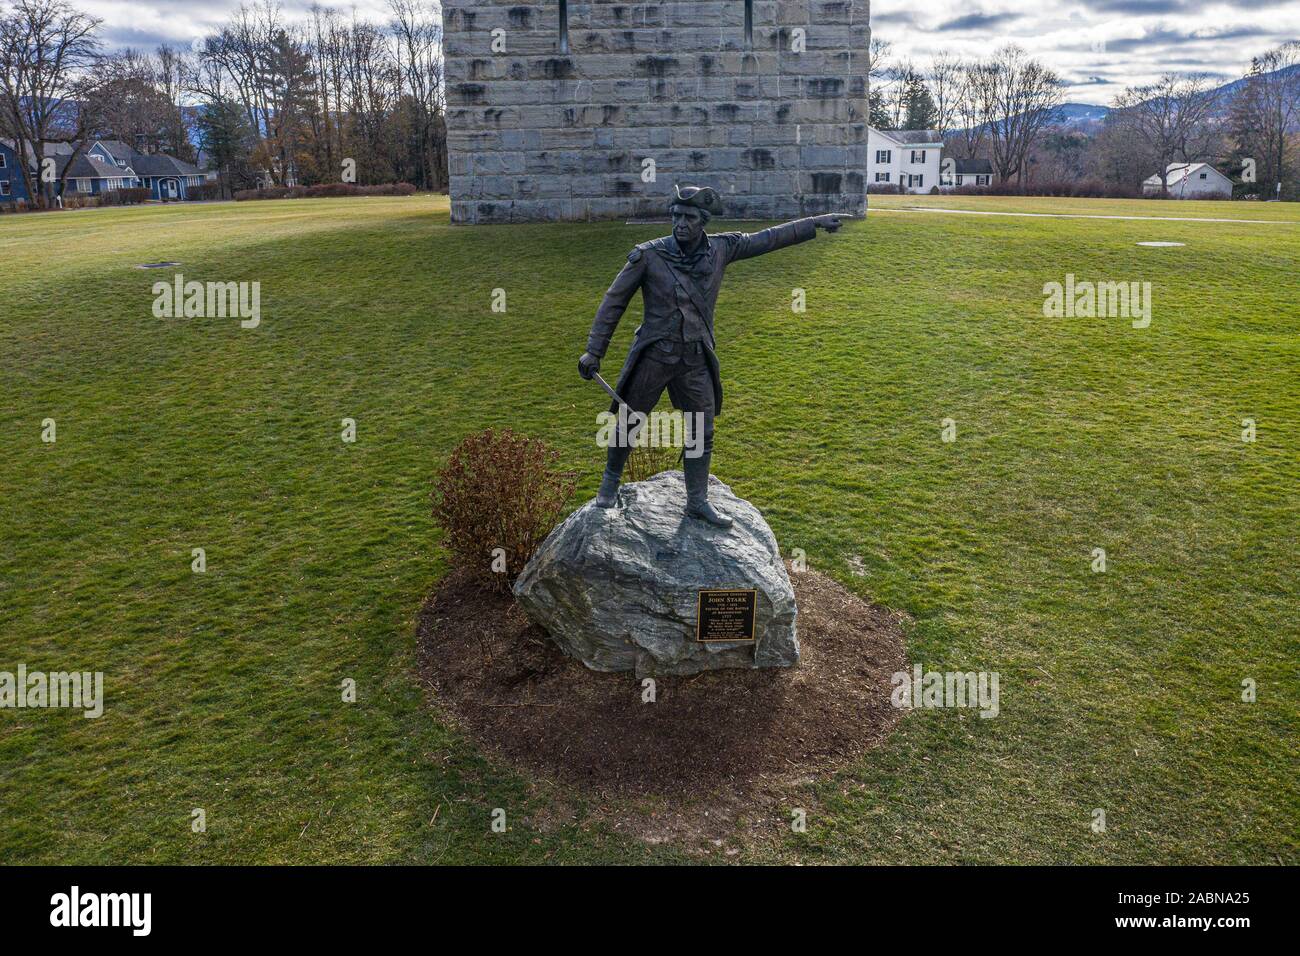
1067,215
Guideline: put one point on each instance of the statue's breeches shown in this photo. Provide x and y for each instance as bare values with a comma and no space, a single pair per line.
690,387
689,384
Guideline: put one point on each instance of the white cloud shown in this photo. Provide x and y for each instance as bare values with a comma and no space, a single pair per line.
146,23
1099,46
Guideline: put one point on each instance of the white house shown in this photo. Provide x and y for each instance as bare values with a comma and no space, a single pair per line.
910,158
1191,181
956,173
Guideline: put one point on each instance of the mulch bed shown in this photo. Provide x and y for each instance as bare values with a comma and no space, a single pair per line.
518,696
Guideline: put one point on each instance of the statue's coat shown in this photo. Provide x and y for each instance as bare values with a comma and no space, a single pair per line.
658,267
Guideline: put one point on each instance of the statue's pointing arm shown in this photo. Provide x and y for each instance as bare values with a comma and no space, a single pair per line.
611,310
750,244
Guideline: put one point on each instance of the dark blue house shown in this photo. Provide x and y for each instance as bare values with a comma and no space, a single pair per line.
104,165
165,176
12,187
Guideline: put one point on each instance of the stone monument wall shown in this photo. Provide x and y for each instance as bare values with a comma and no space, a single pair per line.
649,94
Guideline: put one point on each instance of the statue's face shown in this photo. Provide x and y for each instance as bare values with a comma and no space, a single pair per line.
688,225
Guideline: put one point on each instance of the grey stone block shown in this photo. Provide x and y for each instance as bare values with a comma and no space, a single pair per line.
535,131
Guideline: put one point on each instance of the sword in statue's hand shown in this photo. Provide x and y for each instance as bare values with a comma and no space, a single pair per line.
612,394
635,430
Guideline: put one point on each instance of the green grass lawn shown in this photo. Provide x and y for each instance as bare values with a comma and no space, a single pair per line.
1120,691
1287,212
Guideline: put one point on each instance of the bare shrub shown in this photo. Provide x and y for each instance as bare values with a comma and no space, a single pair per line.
266,192
330,190
204,192
326,191
1064,189
132,196
499,490
389,189
646,462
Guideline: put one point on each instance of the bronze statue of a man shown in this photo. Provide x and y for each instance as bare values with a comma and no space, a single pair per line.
679,277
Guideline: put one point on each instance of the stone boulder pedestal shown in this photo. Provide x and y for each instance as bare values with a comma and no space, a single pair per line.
618,588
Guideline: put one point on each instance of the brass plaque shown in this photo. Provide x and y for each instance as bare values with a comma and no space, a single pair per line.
725,615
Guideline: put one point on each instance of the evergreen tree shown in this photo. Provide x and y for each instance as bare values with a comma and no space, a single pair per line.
1246,130
880,117
919,111
225,137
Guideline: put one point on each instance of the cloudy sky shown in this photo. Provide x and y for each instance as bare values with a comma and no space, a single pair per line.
1099,46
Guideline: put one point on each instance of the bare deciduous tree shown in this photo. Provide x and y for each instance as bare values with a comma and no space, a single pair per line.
45,49
130,105
944,77
973,109
257,61
417,27
1265,112
331,96
171,66
1171,118
1022,96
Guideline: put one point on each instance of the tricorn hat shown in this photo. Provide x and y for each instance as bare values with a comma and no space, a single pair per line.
705,198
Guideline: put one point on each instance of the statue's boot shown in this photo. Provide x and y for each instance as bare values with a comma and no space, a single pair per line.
697,492
607,496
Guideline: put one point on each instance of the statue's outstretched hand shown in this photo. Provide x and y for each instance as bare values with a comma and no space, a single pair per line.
588,365
831,222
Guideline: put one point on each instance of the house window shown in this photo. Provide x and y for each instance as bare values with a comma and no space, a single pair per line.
749,24
983,180
82,185
564,26
918,155
884,155
4,161
4,187
882,177
916,181
960,179
1204,176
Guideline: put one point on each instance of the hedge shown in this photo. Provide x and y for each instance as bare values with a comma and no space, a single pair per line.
325,191
124,197
203,191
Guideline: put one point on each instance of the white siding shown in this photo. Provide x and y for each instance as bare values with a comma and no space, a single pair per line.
1203,182
916,166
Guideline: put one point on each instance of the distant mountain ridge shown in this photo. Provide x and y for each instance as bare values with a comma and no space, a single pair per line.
1072,115
1080,114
